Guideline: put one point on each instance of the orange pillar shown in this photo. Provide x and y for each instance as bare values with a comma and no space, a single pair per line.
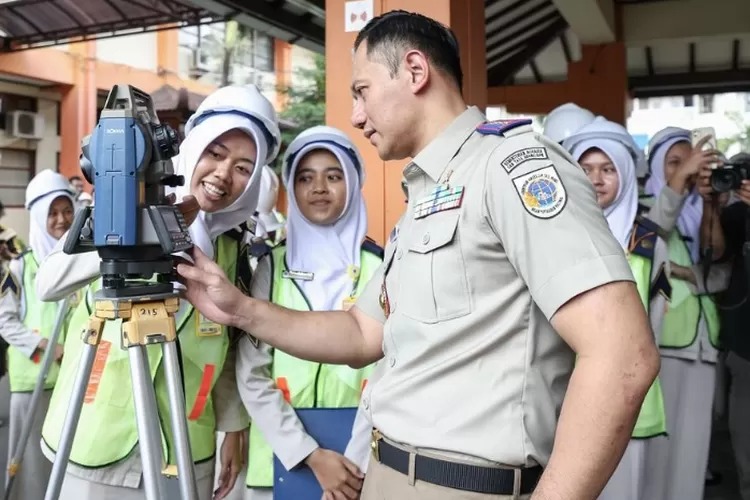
599,80
78,108
382,190
167,52
282,54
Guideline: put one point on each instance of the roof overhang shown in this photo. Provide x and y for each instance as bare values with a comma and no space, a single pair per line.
26,24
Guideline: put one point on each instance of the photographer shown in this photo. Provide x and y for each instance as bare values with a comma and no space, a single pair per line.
735,316
230,137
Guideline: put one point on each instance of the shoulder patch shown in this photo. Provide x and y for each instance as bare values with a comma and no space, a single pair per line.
9,285
523,155
370,246
499,127
542,192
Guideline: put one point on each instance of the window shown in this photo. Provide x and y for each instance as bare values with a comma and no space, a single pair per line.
706,104
642,103
747,103
688,101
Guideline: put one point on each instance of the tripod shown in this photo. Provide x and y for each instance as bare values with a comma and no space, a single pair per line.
49,357
146,320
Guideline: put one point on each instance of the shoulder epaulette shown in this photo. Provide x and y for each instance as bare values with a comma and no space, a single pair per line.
643,239
372,247
9,284
499,127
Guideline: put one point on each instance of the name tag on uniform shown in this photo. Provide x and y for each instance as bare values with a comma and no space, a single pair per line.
297,275
442,197
204,327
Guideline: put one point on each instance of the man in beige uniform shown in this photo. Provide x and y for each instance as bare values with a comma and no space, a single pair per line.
501,269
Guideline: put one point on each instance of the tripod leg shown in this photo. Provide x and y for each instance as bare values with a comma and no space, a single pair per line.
145,412
91,337
49,357
186,476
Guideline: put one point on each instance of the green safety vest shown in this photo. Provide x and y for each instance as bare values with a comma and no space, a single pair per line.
39,317
307,384
107,431
652,420
681,322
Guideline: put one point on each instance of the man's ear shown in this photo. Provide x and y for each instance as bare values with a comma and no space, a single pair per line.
417,69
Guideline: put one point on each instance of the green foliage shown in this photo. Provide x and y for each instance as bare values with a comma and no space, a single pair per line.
740,140
306,102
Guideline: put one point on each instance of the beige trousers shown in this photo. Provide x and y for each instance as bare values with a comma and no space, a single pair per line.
384,483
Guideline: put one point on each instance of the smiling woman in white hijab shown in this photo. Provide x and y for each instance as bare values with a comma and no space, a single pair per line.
26,324
688,339
608,156
230,137
323,265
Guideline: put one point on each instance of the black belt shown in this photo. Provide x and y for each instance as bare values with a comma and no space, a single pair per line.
487,480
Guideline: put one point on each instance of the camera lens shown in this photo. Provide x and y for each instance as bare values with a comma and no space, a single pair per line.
166,140
724,180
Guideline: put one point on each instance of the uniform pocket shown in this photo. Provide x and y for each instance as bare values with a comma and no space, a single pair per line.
433,284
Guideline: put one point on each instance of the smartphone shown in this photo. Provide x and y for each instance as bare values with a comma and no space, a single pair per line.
699,133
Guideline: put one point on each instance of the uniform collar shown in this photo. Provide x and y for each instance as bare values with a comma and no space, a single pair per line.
434,158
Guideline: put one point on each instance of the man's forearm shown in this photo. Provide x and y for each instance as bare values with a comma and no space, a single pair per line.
597,419
324,336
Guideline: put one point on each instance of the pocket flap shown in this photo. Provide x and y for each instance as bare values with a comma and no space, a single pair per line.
434,232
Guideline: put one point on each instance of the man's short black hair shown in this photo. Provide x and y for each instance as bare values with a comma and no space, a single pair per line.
394,32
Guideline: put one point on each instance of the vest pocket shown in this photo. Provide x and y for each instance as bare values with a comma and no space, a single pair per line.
433,285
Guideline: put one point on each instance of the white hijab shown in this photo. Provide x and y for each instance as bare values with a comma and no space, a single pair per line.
40,241
621,213
332,252
689,220
208,226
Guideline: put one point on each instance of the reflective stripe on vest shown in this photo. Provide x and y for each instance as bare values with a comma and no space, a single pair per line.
107,431
680,329
652,420
305,384
39,317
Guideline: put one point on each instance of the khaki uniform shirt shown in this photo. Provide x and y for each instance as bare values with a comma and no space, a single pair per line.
472,366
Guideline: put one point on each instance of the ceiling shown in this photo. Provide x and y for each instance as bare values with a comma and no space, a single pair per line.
528,41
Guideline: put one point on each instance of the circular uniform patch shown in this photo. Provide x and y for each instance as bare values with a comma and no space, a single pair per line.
542,192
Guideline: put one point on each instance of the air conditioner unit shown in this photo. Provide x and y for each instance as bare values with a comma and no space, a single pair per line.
24,125
198,64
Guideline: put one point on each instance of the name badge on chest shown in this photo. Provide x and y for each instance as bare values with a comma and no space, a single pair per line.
297,275
204,327
442,197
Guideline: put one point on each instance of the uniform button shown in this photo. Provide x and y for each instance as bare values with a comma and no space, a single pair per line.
392,361
399,253
366,403
426,238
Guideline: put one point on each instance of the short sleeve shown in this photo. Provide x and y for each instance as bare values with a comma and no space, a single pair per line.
543,209
369,300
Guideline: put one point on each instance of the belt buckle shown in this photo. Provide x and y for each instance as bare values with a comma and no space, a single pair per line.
376,436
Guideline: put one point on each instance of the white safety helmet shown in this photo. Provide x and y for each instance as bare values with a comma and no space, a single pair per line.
269,194
44,183
566,120
246,101
327,136
601,128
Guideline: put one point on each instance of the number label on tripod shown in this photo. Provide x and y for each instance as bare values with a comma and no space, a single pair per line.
150,311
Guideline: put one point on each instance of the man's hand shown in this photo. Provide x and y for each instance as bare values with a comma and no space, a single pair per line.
232,461
209,290
743,193
698,161
339,478
682,273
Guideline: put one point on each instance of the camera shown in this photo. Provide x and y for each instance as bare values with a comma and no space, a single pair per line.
729,176
132,225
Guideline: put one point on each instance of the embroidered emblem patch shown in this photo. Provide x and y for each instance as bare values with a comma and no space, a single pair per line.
542,192
441,197
522,156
